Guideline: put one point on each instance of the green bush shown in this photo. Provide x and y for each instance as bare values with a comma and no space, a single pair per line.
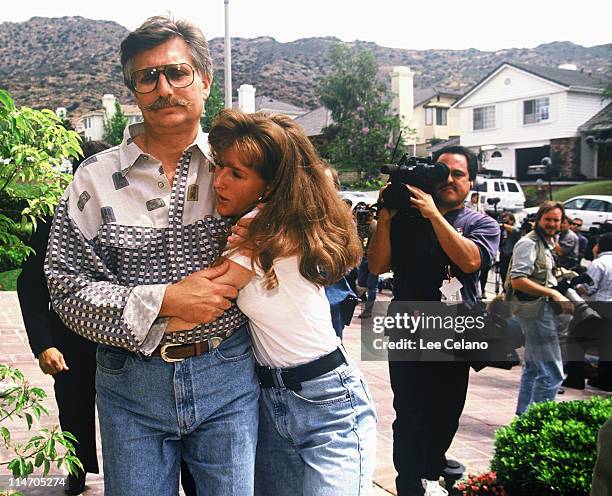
551,448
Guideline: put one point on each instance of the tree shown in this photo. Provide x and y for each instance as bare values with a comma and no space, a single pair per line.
364,131
18,400
33,144
214,105
114,127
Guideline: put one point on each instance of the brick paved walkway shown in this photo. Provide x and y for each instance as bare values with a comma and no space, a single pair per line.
490,402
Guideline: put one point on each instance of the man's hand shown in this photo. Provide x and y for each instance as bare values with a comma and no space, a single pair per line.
558,249
196,298
566,305
51,361
424,202
177,324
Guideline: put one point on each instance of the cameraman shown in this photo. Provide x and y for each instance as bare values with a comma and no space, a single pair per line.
447,239
532,282
510,234
366,225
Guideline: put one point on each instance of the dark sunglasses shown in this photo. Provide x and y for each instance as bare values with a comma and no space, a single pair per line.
178,75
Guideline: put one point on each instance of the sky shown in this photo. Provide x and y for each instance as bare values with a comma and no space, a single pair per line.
445,24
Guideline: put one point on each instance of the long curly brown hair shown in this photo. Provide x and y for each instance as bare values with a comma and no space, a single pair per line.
302,213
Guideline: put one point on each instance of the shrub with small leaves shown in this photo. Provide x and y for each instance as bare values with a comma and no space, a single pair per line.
551,448
19,400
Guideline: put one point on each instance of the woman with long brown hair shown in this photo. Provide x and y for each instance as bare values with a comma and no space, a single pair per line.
317,421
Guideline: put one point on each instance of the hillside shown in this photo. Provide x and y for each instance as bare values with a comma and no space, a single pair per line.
72,61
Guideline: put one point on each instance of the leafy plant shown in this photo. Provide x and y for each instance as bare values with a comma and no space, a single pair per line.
18,400
114,127
363,134
214,105
480,485
551,448
33,144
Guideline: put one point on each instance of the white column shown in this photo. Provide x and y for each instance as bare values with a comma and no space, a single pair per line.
228,59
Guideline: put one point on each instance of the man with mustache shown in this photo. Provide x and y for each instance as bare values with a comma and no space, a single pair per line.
447,242
132,245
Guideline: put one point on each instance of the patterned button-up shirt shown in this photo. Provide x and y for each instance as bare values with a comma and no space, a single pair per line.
122,234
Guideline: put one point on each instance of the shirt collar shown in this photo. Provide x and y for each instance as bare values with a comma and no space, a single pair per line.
604,253
130,153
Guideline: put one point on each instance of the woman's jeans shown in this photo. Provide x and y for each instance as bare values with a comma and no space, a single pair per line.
320,441
542,373
203,409
367,280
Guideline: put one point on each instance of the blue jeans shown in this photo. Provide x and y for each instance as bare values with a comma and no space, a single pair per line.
367,280
542,373
320,441
203,410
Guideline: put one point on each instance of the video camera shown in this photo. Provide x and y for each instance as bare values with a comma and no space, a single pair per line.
421,172
363,213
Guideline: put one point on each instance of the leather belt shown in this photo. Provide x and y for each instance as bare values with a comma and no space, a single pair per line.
292,378
176,352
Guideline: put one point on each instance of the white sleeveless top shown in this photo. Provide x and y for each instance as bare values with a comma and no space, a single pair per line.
291,323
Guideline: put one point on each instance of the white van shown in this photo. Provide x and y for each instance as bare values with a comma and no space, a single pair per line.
508,190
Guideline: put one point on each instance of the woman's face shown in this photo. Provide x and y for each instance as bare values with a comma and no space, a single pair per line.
238,186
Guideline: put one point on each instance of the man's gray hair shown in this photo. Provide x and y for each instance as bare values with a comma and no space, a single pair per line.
157,30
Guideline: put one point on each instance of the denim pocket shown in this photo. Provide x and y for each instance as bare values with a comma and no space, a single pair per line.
235,348
112,361
325,390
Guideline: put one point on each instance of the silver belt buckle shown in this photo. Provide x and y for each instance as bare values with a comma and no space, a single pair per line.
164,355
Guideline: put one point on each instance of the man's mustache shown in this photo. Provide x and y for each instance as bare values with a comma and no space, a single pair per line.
165,102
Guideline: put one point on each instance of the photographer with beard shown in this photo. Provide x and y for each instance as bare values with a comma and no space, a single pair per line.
446,241
530,284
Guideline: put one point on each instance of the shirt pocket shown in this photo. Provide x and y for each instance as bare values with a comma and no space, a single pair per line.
136,255
212,235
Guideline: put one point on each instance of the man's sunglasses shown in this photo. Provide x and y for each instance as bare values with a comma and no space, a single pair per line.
178,76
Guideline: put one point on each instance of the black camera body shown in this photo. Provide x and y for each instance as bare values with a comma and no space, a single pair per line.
363,214
421,172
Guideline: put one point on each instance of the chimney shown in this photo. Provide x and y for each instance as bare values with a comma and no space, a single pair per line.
108,104
568,67
246,98
402,86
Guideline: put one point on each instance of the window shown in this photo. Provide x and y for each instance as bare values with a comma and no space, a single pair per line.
428,116
484,118
512,187
597,206
496,154
577,204
441,114
536,110
496,186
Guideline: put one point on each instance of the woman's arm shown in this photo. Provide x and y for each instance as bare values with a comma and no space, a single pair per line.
237,276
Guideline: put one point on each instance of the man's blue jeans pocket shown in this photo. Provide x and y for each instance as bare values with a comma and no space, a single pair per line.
112,361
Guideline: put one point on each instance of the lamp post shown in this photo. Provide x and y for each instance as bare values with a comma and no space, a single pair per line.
228,59
547,162
542,170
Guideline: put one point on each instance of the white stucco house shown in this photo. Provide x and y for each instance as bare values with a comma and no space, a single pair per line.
91,124
519,114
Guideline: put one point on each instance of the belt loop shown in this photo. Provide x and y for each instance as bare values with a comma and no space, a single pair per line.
277,378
